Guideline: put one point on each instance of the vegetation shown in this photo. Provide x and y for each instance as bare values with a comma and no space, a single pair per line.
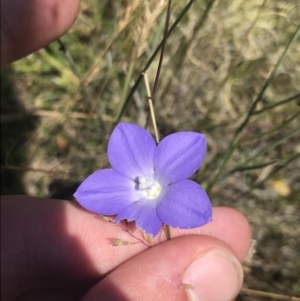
231,70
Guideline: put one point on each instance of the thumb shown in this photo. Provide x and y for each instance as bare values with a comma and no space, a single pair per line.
190,267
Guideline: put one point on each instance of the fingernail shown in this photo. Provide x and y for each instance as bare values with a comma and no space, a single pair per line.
217,276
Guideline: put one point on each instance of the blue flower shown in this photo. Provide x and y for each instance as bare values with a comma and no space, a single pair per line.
148,183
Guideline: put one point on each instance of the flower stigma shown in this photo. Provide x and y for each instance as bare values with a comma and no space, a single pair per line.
149,188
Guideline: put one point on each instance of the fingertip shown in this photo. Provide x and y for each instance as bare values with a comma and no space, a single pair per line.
216,266
186,267
228,225
233,227
28,26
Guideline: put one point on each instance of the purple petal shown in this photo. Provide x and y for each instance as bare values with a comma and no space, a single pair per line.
131,151
144,214
106,192
185,205
178,156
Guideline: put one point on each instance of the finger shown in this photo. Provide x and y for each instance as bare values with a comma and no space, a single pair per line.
66,245
200,267
27,26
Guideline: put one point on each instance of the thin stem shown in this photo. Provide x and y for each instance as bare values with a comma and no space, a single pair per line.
85,92
168,232
272,146
186,45
243,168
164,41
162,48
234,62
267,82
138,81
235,139
226,158
273,296
126,85
277,104
150,98
286,122
145,75
29,169
63,48
276,169
152,113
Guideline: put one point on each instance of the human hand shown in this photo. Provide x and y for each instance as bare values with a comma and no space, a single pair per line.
56,250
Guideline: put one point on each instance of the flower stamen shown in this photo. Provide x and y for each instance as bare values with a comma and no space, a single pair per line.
149,188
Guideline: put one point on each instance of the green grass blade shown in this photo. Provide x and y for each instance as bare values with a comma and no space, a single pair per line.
138,81
277,169
272,146
251,167
267,82
126,87
285,123
235,139
279,103
223,164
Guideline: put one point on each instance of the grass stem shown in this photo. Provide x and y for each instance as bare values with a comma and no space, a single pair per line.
151,59
235,140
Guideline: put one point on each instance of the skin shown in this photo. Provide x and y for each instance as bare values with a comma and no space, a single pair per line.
27,26
56,250
52,246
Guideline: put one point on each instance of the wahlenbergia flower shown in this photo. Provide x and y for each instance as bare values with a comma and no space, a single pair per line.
148,183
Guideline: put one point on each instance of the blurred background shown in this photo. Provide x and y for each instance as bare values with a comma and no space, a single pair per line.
59,106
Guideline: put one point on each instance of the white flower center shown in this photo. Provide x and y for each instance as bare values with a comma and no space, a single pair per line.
149,188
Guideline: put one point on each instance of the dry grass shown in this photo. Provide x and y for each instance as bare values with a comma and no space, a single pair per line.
213,69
